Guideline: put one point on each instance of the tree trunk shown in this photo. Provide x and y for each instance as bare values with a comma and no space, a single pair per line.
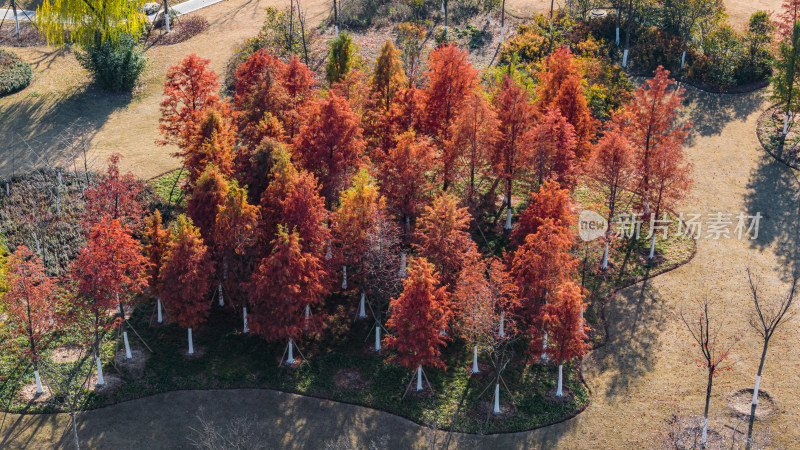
128,354
559,390
705,413
16,19
160,315
619,18
100,381
502,20
419,378
166,16
362,310
652,248
290,359
502,332
550,45
344,278
191,343
335,19
377,337
245,330
291,24
754,403
605,257
39,389
475,359
628,35
75,429
221,298
496,409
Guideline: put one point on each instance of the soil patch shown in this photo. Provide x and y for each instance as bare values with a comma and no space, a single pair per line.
66,354
507,410
740,402
28,394
135,365
350,379
112,383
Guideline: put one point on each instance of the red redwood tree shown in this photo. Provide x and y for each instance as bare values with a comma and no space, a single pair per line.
562,318
303,210
442,238
156,242
516,116
550,202
191,87
260,98
211,143
235,233
474,131
300,86
451,77
329,144
116,196
283,285
186,277
405,176
552,147
405,115
282,177
610,170
30,306
790,11
418,317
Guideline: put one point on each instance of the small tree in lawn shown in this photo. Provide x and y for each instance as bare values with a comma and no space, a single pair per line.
562,317
553,202
330,144
786,78
156,242
442,237
714,353
260,98
474,131
766,317
610,170
30,305
186,277
417,319
211,143
191,87
516,115
451,77
405,176
116,196
235,233
341,58
787,18
649,124
109,269
206,197
283,285
381,260
388,77
552,147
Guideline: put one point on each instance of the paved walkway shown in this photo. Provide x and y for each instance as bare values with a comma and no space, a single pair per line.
639,378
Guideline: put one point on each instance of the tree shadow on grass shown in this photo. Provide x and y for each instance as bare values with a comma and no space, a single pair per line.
774,192
36,129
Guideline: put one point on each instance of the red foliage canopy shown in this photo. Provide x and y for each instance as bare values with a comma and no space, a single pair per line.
260,98
115,196
191,87
208,194
156,241
552,148
211,143
418,317
284,283
610,169
561,318
300,87
550,202
405,175
185,277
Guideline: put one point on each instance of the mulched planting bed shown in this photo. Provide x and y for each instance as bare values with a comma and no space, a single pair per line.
769,130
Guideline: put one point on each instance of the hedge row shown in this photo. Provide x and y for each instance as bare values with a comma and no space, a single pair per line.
15,74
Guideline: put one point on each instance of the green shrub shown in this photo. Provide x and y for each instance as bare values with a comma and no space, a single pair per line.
15,74
115,66
341,57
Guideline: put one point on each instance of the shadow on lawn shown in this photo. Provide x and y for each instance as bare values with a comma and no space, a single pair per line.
37,130
773,190
710,113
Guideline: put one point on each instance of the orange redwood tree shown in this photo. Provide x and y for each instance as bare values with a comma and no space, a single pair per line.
551,202
562,318
418,317
156,241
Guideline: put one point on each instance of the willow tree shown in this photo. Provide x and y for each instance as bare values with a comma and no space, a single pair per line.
90,22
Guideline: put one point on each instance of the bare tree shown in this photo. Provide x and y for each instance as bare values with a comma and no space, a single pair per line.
714,353
766,317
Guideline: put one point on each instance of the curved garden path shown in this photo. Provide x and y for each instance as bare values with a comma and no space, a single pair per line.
641,376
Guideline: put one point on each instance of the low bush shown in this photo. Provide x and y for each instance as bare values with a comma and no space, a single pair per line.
15,74
183,28
115,66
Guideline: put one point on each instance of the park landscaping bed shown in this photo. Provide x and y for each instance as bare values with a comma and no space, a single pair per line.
770,134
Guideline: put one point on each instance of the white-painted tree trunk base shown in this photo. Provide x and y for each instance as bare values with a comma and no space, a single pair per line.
244,320
475,368
307,314
160,315
335,31
705,432
100,380
605,258
419,378
128,354
191,343
290,359
329,253
502,29
496,409
166,20
625,58
221,298
559,390
785,131
683,59
7,189
616,41
508,219
755,391
403,265
362,307
652,248
39,389
502,332
377,338
344,278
